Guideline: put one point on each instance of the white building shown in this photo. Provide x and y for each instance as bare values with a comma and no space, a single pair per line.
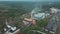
53,10
38,14
11,30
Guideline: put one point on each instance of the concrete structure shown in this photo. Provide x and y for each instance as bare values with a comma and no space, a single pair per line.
13,32
38,32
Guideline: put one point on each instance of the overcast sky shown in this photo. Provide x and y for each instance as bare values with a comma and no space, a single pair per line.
29,0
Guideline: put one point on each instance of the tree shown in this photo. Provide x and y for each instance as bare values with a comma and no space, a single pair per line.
38,27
